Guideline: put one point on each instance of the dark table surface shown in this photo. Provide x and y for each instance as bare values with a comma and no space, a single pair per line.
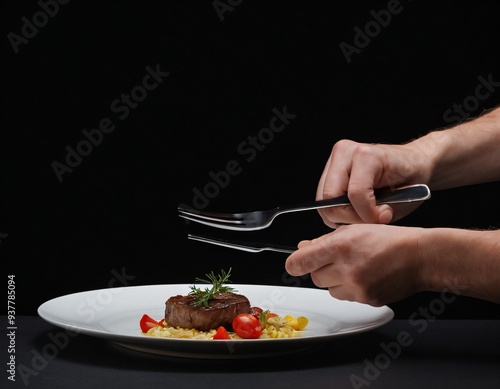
401,354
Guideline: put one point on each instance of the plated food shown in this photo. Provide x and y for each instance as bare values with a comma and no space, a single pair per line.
219,313
118,320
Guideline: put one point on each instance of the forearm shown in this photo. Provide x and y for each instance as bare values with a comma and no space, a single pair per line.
465,260
463,155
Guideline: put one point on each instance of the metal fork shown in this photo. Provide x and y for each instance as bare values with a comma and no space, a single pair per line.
251,247
258,220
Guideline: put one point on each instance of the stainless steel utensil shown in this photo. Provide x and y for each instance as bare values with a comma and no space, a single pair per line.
252,247
258,220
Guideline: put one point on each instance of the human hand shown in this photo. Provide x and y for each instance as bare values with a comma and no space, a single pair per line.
367,263
357,169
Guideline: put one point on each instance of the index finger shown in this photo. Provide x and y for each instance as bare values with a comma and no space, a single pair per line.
311,256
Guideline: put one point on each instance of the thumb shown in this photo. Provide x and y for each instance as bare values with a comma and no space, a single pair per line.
385,214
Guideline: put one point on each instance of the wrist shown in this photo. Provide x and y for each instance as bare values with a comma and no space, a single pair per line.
419,156
463,155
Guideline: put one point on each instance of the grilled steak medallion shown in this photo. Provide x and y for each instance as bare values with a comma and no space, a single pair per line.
221,311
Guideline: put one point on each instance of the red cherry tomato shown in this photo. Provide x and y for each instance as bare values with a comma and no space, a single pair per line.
221,333
247,326
256,311
147,322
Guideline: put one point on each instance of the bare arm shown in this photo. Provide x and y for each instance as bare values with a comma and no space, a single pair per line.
378,264
463,155
468,259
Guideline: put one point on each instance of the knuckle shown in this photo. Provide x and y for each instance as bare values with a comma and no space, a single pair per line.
344,244
323,251
342,145
363,150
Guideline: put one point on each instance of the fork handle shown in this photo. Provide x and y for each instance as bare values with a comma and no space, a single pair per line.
405,194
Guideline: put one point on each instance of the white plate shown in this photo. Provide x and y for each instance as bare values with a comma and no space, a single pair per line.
114,314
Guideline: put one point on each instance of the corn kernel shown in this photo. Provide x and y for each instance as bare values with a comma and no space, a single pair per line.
301,323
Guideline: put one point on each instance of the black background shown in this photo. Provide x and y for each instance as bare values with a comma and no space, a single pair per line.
116,212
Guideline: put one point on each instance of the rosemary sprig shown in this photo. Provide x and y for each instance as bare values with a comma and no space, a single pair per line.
203,296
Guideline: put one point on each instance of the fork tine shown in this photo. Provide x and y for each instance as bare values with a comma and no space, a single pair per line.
219,220
184,209
214,222
197,217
